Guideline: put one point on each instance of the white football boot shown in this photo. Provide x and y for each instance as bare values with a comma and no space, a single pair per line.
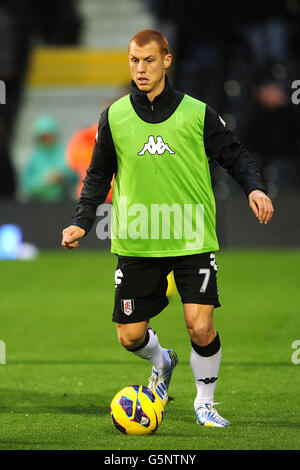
160,381
207,415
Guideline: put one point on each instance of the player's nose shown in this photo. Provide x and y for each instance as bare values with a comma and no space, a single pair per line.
141,67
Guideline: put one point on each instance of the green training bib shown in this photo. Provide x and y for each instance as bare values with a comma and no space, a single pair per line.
163,202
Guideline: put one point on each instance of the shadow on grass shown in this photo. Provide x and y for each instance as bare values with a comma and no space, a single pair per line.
20,401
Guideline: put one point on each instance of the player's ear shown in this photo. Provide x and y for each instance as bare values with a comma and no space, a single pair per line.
167,61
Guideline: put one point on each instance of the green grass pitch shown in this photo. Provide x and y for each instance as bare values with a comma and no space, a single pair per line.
64,363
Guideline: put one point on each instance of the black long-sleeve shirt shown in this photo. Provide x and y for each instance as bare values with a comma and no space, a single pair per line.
219,142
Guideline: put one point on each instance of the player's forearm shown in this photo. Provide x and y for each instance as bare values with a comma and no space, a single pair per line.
94,192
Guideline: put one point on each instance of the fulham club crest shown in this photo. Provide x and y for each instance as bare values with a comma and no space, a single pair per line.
127,306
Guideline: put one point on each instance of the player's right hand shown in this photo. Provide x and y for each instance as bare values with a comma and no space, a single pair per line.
71,235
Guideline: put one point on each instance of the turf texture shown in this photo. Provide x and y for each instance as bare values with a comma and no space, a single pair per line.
64,363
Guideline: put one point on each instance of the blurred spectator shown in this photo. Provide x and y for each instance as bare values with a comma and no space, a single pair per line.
271,132
46,176
79,152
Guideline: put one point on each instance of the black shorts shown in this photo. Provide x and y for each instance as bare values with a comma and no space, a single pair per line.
141,284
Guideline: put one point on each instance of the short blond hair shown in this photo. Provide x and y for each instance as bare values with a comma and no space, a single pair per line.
147,35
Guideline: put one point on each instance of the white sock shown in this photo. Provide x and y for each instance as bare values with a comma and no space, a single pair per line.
205,362
152,351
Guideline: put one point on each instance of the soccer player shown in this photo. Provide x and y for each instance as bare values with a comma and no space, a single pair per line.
157,142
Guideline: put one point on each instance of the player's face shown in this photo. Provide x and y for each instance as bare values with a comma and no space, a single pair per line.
147,66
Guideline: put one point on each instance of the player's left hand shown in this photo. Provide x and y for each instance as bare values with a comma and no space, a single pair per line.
261,206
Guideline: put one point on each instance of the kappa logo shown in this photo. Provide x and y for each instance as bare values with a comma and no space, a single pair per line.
153,147
127,306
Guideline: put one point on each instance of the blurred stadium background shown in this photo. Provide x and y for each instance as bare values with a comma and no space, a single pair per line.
62,64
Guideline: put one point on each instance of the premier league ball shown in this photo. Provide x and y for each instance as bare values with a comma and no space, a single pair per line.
136,410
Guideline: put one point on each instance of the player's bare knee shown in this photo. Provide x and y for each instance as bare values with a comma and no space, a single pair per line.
200,333
132,335
130,341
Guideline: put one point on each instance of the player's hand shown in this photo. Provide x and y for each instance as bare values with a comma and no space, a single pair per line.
71,235
261,206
